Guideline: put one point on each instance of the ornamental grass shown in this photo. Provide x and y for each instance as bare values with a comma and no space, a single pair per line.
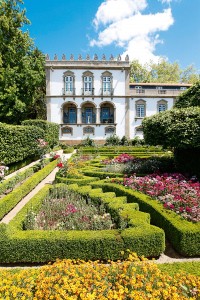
69,279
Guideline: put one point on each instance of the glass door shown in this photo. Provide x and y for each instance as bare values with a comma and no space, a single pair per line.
72,115
88,115
105,114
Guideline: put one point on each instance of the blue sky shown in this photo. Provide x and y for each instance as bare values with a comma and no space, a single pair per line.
144,29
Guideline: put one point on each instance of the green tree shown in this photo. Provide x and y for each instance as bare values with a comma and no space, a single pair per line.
139,73
190,75
190,97
163,71
22,74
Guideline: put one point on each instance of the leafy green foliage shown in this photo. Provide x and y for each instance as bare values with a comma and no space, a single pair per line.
178,128
9,201
22,75
162,72
51,130
139,73
190,97
18,142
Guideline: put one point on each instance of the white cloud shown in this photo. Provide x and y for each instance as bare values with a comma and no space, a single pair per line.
166,1
135,32
115,10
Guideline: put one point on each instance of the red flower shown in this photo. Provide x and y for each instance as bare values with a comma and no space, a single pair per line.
60,165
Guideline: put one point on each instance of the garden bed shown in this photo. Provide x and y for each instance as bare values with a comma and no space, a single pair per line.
18,245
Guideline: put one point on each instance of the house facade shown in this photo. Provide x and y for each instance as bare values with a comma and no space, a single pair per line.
93,97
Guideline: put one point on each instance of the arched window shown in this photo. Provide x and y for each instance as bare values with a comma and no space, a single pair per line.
162,105
67,130
69,83
69,113
107,112
88,130
88,83
107,84
109,130
140,108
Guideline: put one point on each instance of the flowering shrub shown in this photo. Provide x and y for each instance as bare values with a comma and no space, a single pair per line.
117,164
122,280
60,165
42,143
173,190
42,147
120,159
67,210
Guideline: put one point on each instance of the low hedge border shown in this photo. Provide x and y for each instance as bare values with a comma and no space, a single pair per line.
120,149
80,181
10,201
11,182
93,172
183,235
42,246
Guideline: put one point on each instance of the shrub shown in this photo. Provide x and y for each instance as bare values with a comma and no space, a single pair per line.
176,128
19,245
183,235
88,142
113,140
18,142
51,130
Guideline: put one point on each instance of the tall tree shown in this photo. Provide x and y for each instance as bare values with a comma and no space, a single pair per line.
22,74
190,75
163,71
139,73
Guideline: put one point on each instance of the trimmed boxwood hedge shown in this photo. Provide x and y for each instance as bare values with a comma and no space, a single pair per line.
18,142
42,246
10,201
51,130
183,235
80,181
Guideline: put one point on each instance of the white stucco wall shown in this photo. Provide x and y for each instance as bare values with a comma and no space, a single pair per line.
57,83
151,109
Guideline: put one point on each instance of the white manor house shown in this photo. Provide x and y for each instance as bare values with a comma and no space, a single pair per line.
93,97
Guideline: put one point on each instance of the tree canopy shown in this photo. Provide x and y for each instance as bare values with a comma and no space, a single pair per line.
161,72
22,73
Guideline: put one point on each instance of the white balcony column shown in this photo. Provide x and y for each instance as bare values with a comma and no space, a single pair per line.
98,110
114,115
79,115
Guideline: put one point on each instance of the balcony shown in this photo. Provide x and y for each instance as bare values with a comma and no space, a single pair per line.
67,120
88,92
154,92
107,92
70,92
88,119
